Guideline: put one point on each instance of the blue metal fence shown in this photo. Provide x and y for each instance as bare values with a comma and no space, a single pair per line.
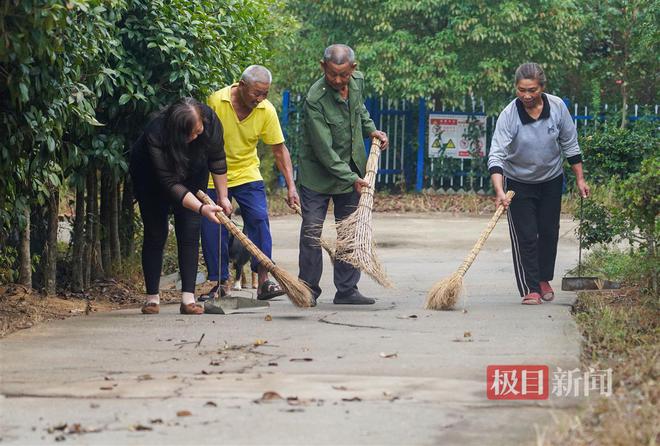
406,164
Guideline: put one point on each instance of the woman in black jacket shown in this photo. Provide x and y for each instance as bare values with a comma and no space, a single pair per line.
169,162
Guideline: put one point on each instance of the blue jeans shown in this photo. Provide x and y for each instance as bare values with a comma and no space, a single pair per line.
251,197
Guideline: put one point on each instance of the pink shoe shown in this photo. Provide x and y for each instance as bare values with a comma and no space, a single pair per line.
532,299
547,293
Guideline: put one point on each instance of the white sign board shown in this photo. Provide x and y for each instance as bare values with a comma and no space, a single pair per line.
447,136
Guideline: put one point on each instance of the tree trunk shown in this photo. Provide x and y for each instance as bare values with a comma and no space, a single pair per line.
24,253
97,266
127,215
115,249
624,105
49,257
104,230
78,242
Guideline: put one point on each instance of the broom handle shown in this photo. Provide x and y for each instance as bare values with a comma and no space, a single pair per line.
482,239
236,232
372,162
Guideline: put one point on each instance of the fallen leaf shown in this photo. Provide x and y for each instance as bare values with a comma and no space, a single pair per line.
272,364
60,438
107,388
183,413
268,318
59,427
144,377
464,311
215,363
141,427
211,404
156,421
354,399
467,334
301,359
204,372
296,409
389,355
270,395
259,342
340,387
412,316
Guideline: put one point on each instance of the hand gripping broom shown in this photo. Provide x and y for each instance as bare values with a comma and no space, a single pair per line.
445,293
355,244
298,292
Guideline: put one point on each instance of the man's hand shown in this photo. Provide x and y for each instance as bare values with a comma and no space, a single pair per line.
382,137
501,199
583,188
359,184
292,198
225,204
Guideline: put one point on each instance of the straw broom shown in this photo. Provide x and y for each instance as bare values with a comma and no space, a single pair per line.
325,243
445,293
355,244
299,294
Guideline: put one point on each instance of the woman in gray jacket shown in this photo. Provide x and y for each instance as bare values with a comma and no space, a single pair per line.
532,136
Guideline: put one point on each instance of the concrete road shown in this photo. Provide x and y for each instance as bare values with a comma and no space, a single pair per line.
391,373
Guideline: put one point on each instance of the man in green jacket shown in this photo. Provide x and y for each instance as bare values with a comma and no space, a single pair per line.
332,164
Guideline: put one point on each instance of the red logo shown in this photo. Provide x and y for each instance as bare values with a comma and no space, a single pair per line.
517,382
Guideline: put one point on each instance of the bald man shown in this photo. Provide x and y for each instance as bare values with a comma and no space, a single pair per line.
332,165
247,117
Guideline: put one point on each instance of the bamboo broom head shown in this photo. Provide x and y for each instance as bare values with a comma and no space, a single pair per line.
299,293
445,293
355,244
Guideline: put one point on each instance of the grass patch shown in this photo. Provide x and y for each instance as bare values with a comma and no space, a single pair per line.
621,331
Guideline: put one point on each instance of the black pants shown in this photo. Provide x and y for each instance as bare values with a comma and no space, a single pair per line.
155,206
314,210
534,228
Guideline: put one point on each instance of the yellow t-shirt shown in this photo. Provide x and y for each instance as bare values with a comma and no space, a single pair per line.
241,137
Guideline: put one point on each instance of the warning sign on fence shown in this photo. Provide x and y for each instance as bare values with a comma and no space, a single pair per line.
457,135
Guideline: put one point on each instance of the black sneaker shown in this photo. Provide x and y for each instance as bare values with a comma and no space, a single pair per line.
355,298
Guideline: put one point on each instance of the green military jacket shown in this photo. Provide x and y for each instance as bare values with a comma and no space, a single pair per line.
334,131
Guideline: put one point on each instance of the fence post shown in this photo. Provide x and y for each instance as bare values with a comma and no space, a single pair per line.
421,144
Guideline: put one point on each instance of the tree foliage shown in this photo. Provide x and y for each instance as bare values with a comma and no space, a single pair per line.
78,80
438,48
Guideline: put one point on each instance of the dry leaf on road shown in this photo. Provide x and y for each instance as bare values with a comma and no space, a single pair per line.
389,355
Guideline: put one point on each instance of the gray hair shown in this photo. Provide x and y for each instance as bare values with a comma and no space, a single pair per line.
339,54
257,73
531,71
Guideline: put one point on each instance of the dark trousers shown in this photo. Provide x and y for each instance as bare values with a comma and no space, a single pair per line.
251,198
534,228
314,209
154,209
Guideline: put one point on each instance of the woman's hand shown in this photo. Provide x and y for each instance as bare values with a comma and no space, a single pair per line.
502,199
209,210
583,187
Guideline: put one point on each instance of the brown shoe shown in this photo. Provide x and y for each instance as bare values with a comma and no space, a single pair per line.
191,309
151,308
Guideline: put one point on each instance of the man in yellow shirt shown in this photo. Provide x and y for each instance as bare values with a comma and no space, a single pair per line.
247,116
